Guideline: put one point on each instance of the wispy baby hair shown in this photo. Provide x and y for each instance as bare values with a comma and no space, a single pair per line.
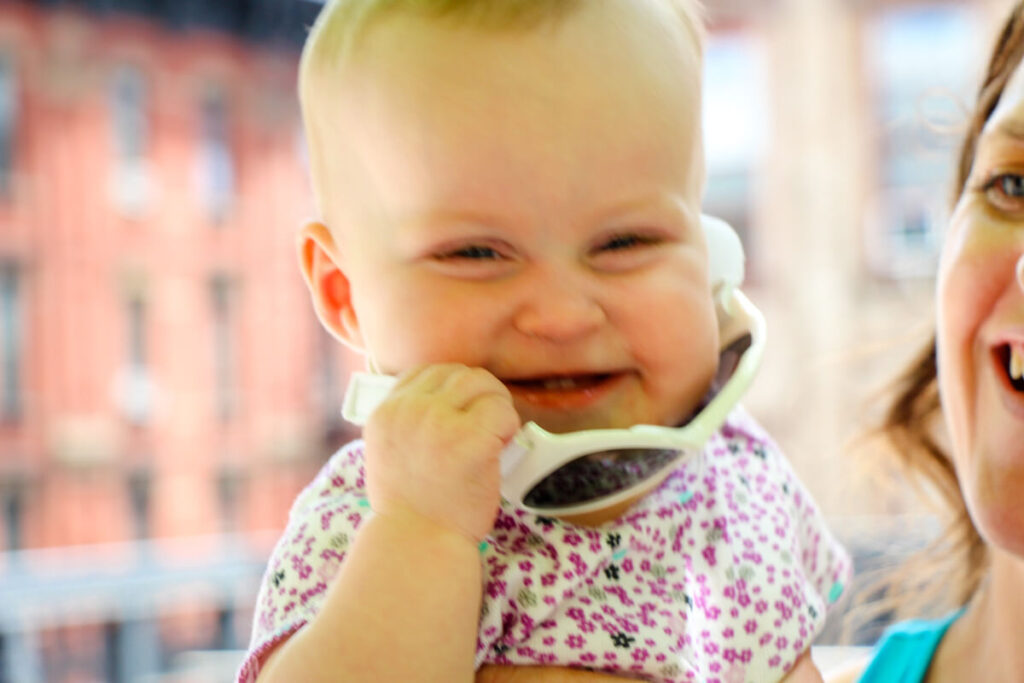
341,23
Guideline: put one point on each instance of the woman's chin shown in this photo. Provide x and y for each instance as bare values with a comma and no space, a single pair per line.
998,511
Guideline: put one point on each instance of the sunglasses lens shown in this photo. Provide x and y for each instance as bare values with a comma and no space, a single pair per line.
596,475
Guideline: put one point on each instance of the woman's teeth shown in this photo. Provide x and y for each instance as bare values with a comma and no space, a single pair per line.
1016,361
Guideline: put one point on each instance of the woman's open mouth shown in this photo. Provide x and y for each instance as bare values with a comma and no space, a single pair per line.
1011,358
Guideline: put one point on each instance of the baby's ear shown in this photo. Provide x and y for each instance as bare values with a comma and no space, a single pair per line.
328,286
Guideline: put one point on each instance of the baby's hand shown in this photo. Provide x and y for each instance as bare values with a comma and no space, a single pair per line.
433,447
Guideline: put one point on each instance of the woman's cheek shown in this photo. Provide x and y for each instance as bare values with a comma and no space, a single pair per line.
971,279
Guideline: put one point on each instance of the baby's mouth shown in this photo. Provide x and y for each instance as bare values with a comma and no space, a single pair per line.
1011,357
558,383
563,393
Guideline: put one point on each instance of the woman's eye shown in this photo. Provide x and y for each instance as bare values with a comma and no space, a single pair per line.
1006,191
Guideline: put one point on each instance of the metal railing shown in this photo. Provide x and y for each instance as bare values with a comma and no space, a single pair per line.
127,587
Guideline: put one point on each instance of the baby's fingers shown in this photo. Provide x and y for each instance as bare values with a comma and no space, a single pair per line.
486,402
426,379
462,385
494,413
452,384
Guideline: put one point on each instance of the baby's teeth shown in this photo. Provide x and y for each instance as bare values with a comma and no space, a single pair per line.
560,383
1016,361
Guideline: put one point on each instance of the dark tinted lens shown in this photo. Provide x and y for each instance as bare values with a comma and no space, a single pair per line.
596,475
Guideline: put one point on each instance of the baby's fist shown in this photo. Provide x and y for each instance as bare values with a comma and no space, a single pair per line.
433,447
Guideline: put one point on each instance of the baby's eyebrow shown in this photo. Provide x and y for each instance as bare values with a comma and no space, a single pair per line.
445,217
663,203
649,202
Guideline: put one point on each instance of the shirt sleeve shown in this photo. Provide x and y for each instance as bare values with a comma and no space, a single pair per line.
321,526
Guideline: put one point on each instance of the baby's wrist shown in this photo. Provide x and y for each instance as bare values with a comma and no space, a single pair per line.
405,520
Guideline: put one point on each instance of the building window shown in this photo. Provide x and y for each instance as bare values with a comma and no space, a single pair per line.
920,93
8,123
11,343
216,171
135,385
139,487
222,292
735,127
130,120
137,332
12,498
229,483
227,633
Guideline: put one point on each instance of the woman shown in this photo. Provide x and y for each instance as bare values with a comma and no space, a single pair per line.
972,370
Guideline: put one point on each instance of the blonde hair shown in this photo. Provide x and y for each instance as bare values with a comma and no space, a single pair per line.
341,24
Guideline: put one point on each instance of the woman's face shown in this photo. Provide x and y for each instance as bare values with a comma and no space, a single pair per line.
981,327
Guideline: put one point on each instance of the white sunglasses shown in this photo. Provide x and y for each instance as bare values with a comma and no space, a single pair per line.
585,471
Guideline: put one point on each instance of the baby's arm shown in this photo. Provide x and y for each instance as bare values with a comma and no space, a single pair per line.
804,671
405,603
399,608
492,673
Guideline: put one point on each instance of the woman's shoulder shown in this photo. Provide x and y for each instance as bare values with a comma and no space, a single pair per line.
903,654
847,673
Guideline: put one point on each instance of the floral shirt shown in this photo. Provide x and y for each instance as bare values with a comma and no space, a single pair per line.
722,574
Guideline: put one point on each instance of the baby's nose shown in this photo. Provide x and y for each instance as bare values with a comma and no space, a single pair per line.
1020,270
560,312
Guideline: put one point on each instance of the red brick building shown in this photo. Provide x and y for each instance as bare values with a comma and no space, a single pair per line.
161,372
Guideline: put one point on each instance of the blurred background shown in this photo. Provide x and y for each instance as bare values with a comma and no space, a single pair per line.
165,390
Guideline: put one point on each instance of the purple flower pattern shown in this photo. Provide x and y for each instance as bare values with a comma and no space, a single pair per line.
724,573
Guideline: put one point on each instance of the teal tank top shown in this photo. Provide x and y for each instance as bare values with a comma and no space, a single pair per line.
906,649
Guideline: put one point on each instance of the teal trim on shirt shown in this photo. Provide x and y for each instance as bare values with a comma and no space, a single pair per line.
906,650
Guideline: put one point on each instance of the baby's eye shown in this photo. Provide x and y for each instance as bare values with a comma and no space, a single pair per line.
627,251
473,252
1005,191
474,260
627,241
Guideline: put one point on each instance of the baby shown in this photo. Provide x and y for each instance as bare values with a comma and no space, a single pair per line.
510,193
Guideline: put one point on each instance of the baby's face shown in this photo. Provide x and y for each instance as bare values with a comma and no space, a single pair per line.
528,202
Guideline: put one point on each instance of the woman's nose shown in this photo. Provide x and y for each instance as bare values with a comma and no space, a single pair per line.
560,310
1020,271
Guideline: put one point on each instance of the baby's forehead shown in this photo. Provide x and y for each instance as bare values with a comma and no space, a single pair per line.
429,103
346,31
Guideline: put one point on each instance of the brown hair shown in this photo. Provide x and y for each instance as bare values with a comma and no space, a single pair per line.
947,572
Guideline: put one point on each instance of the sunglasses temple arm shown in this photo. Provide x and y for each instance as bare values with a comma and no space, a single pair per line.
512,455
365,392
715,412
